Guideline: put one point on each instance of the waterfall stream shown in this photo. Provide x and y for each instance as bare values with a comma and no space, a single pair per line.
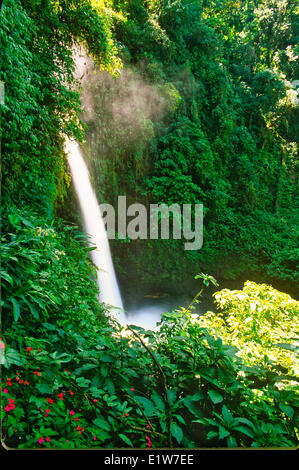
95,228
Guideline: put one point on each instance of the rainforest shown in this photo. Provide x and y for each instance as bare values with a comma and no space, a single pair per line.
129,341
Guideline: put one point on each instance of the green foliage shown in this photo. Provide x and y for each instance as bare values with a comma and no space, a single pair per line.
38,265
261,322
226,136
246,397
41,105
220,130
91,383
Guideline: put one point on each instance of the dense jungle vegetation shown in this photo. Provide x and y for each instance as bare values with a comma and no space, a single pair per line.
191,101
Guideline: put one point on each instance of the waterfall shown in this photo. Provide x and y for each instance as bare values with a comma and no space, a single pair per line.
95,228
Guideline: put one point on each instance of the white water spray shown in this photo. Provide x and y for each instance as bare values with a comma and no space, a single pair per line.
95,228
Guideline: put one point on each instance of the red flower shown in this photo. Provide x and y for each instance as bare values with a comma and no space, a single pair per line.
149,443
49,400
47,412
29,349
11,405
60,396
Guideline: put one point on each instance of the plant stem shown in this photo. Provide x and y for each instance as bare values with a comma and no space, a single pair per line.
167,402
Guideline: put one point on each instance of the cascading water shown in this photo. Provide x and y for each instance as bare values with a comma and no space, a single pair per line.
93,222
94,226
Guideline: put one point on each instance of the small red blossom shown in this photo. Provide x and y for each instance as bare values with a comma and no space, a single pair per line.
49,400
11,405
47,412
80,430
149,443
72,412
29,348
37,373
60,396
26,383
2,345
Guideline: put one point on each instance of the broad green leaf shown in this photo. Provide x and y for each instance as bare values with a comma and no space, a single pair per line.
7,277
223,432
148,405
11,356
215,396
100,422
82,382
180,418
85,368
212,434
171,396
109,386
158,401
177,432
244,430
288,410
126,439
16,309
231,442
228,418
44,388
